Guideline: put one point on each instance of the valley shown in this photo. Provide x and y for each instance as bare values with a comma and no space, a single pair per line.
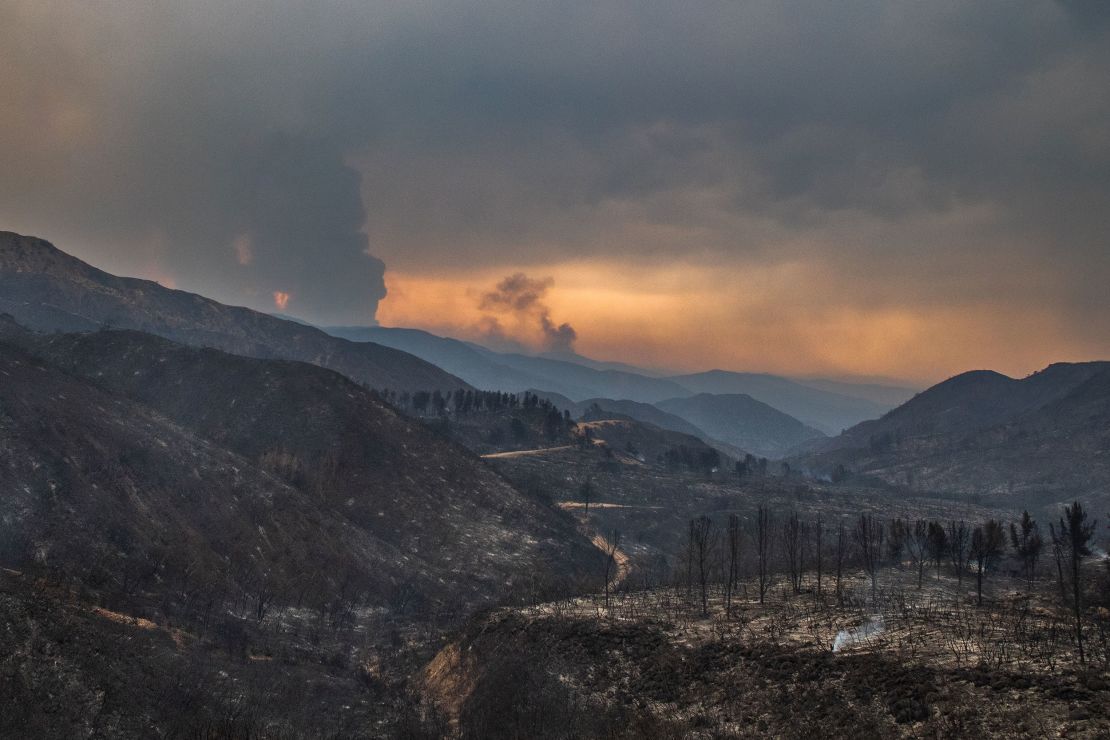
204,536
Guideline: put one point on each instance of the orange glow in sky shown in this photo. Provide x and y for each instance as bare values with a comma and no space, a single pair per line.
781,319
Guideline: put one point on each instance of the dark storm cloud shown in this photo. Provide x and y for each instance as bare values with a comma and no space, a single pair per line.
925,151
177,141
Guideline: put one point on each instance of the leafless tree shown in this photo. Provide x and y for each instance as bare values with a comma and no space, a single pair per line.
612,546
868,536
733,560
1058,557
818,552
765,537
1028,544
841,550
703,541
586,493
959,536
791,549
917,544
1076,534
896,541
987,542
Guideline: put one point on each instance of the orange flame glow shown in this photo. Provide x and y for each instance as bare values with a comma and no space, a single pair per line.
281,299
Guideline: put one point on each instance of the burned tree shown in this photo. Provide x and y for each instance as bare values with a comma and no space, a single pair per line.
1075,537
868,536
586,494
792,548
764,543
611,546
938,544
1027,544
898,540
841,550
703,541
959,535
818,552
917,544
1058,557
987,542
733,561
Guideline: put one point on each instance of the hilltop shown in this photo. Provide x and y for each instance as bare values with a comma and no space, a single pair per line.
48,290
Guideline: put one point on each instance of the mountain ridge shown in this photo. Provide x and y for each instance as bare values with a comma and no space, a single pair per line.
47,289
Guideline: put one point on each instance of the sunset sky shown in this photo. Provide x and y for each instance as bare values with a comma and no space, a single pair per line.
882,188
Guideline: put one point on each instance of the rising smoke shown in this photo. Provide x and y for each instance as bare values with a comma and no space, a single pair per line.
521,298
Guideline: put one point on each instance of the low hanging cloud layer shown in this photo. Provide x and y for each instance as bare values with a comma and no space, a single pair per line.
792,185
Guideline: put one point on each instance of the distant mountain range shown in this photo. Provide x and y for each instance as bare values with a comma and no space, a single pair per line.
1042,439
744,422
580,380
828,411
48,290
644,412
735,424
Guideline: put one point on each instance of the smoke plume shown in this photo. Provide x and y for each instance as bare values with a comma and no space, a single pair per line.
521,298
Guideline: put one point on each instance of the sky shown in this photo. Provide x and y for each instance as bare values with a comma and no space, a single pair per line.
875,188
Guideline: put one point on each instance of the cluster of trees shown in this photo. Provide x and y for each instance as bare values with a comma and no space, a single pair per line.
751,466
462,402
808,555
705,459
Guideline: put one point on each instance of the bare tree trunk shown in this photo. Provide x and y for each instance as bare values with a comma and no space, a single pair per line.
764,538
841,543
818,535
703,542
869,537
612,545
733,560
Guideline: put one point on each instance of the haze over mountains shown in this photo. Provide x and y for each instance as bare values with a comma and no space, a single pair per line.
829,411
1038,440
583,382
743,422
48,290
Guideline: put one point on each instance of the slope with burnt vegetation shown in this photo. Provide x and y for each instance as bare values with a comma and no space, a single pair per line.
46,289
1034,442
445,529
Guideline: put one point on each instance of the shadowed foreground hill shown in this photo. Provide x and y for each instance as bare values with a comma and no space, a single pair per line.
48,290
155,453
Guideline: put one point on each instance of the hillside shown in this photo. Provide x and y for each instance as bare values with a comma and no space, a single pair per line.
827,406
971,402
742,421
887,394
458,358
830,411
644,412
48,290
1039,440
428,523
650,663
648,444
580,382
489,370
